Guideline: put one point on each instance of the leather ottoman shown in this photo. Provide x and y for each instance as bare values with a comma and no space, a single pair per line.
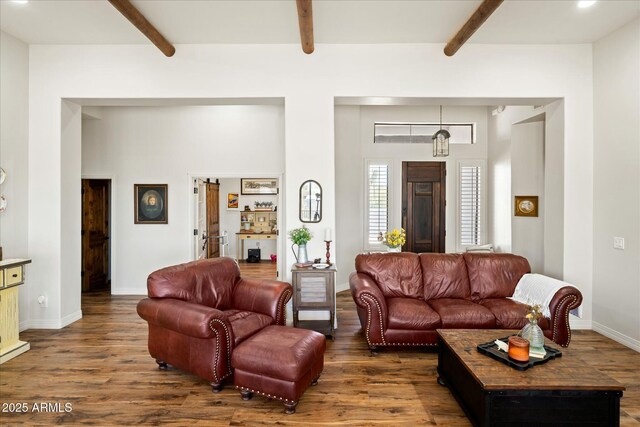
279,362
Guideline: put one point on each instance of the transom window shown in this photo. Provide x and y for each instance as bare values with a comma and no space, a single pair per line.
422,133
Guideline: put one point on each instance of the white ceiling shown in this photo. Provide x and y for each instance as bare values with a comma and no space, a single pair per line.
335,21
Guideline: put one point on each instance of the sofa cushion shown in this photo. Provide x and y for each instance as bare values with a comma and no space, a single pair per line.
444,276
410,313
397,274
246,323
461,314
510,314
494,275
208,282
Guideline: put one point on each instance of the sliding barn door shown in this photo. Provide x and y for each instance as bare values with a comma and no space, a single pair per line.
423,205
213,220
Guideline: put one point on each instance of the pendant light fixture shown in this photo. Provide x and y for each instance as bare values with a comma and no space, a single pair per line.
441,140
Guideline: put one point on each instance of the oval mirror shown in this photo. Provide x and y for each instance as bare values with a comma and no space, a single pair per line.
310,201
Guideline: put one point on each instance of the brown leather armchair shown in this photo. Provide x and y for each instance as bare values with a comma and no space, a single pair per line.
200,311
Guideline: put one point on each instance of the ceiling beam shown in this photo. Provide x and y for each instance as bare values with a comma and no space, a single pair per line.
305,20
476,20
136,18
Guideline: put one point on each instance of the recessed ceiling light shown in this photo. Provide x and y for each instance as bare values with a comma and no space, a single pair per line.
20,1
582,4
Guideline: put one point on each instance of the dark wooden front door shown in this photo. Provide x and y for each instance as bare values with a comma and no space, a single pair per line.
423,205
213,220
95,234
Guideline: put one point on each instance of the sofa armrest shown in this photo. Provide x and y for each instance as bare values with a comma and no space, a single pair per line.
190,319
263,296
563,301
193,320
368,296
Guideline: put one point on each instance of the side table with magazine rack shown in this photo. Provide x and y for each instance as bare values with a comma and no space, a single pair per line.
314,290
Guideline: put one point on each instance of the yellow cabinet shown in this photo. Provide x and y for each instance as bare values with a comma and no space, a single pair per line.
11,275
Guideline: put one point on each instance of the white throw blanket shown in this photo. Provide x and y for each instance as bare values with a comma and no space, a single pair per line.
535,289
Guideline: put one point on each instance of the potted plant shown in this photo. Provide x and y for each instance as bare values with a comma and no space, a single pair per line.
393,239
300,236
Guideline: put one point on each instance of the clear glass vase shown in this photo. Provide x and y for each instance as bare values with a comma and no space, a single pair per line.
534,334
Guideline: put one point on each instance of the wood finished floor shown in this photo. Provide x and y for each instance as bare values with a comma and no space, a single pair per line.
262,269
100,365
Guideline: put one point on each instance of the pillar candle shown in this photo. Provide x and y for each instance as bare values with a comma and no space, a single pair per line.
327,235
518,349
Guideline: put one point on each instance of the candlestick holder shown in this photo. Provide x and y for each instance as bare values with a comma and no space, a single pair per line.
328,254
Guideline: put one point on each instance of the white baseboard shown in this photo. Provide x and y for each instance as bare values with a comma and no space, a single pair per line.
617,336
577,324
43,324
24,325
69,319
129,291
52,323
342,287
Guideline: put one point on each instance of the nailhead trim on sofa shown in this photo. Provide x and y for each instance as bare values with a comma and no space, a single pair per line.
284,299
274,396
364,298
217,357
572,305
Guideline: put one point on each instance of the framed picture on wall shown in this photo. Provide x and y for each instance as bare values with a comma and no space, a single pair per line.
258,186
526,205
232,200
150,203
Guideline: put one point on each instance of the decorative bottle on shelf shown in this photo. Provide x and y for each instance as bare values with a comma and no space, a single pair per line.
534,334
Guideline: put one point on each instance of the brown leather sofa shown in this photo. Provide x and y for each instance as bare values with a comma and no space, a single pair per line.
402,298
200,311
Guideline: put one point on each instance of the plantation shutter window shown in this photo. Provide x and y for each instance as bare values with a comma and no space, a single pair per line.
470,205
377,201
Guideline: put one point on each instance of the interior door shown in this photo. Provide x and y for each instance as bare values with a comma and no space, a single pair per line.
95,234
423,205
201,218
213,220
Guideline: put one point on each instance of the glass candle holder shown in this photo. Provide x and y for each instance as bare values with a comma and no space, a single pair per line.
518,349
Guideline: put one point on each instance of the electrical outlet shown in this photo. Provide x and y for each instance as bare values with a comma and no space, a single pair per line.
618,243
43,301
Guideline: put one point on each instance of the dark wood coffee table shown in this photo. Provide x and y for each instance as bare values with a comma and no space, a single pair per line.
563,391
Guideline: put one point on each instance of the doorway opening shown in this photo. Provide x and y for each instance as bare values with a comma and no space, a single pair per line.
238,218
95,233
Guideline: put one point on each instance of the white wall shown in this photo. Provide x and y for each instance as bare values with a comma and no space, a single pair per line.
499,177
527,179
14,133
158,145
70,229
554,178
349,233
308,83
354,144
616,273
548,182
